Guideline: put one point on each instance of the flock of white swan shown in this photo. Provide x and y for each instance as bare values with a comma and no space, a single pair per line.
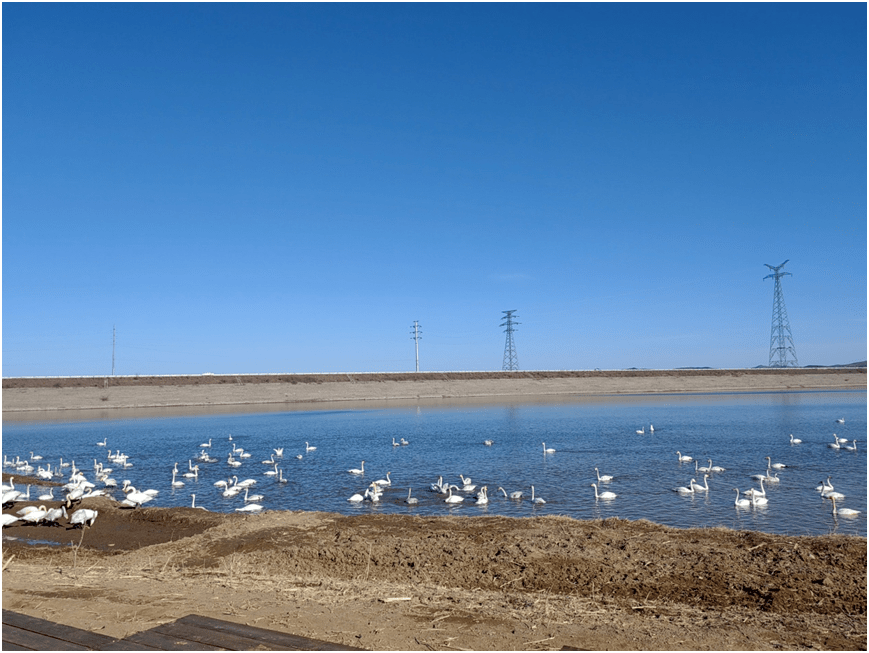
78,487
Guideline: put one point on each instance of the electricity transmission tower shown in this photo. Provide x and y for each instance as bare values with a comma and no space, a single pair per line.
511,362
416,334
781,343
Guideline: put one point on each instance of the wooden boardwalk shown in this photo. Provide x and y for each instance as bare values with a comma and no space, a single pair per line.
190,633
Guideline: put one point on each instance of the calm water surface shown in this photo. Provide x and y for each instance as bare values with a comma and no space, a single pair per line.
737,431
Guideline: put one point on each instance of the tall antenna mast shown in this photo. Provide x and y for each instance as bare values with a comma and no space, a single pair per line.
511,362
781,343
113,350
416,335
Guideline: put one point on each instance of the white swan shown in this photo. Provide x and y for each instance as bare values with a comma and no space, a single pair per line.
513,495
8,519
795,440
701,488
685,490
270,461
281,478
411,500
825,485
103,443
771,479
853,446
545,450
774,465
641,431
394,443
193,503
483,496
249,508
453,499
272,472
488,443
358,471
47,497
384,482
135,498
757,493
279,452
831,494
741,503
759,500
603,495
253,497
35,516
835,443
716,468
356,498
702,470
606,478
844,512
83,517
651,428
684,459
174,482
308,447
206,445
534,499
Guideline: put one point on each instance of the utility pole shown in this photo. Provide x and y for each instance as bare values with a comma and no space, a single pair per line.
416,334
781,343
511,362
113,350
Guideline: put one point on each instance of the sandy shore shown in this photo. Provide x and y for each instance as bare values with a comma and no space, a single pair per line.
119,396
401,582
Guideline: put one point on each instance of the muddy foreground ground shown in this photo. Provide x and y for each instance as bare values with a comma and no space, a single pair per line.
395,582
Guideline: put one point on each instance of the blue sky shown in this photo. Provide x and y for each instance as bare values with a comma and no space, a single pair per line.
244,188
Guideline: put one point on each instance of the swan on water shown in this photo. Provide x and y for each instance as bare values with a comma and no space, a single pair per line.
741,503
308,447
206,444
103,443
253,497
853,446
358,471
279,452
775,465
685,490
795,440
47,497
684,459
545,450
394,443
534,499
701,488
651,428
606,478
758,500
841,420
603,495
825,485
384,481
844,512
411,500
641,431
488,443
453,499
174,482
513,495
702,470
757,493
193,503
483,496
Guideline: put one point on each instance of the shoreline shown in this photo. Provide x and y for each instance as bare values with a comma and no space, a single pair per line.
116,397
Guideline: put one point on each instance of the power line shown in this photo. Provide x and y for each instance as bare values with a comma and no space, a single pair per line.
511,362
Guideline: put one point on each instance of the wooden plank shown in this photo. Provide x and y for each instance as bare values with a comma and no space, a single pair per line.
163,642
127,645
279,640
36,641
62,632
206,635
8,646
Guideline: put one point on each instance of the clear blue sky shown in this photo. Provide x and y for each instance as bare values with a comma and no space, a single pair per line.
244,188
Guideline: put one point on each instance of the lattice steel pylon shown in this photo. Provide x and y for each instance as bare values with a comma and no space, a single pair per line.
781,343
511,362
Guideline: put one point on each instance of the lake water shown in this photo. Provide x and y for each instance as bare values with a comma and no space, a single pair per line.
737,431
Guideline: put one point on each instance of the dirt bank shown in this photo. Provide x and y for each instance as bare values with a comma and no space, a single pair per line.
446,583
23,398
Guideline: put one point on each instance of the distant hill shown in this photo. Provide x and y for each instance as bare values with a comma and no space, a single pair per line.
859,364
